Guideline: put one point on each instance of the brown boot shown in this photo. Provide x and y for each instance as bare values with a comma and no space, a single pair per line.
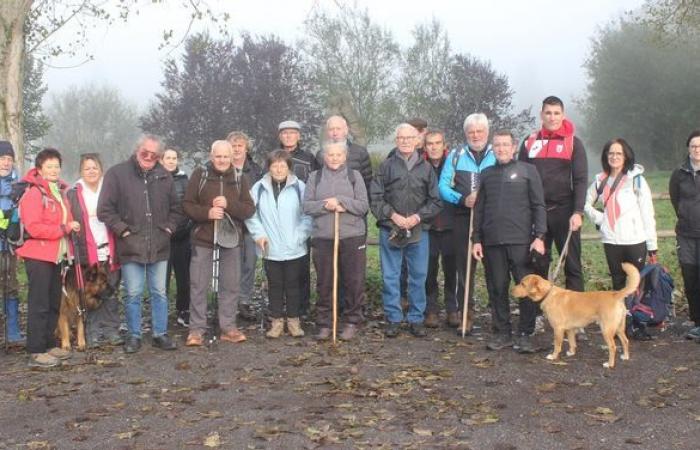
294,327
454,319
349,332
276,328
431,320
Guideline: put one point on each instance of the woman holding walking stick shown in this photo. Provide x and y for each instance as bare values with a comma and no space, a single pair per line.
338,192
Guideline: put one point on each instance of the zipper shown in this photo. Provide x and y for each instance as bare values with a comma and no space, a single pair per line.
149,215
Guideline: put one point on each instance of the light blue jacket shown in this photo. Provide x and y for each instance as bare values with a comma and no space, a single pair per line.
281,221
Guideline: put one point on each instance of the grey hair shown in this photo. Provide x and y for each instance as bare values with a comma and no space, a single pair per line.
329,144
150,137
221,143
239,136
404,126
337,116
476,119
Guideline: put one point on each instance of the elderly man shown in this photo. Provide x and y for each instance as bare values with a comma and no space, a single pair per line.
459,183
509,224
338,188
139,204
560,159
404,199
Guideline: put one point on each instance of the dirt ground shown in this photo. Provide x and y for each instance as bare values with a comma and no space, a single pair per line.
438,392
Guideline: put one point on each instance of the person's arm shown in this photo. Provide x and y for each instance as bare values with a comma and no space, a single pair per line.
447,192
593,214
312,205
31,214
380,208
646,208
358,204
432,205
478,211
190,204
108,204
537,206
579,175
241,207
253,223
365,167
674,189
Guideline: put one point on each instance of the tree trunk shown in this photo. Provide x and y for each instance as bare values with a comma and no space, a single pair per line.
13,14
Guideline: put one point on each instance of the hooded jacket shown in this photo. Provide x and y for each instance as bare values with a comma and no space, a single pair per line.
560,159
628,217
42,216
460,175
7,202
282,220
684,189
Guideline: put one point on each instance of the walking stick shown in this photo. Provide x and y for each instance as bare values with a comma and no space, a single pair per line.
467,275
5,274
336,233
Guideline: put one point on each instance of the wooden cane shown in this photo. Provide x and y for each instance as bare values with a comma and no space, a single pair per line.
336,242
467,275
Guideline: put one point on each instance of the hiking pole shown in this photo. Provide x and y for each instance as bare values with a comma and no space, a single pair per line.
215,283
265,297
5,274
336,242
467,275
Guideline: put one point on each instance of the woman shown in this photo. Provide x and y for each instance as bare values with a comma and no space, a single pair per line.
338,189
180,247
685,198
95,245
280,229
626,218
47,219
217,204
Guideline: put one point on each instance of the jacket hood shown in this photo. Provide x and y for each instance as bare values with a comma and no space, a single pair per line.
638,169
567,129
12,176
32,177
80,184
266,180
687,166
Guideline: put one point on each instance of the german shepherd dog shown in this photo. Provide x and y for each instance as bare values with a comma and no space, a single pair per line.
96,285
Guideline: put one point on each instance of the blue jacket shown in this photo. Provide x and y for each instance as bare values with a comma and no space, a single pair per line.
6,203
459,180
281,221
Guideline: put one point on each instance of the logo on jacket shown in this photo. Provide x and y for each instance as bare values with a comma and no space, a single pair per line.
537,147
513,176
560,148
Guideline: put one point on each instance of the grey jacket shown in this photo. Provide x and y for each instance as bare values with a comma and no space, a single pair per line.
335,183
358,159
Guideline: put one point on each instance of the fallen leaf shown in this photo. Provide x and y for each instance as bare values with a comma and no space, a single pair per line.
422,431
213,440
128,434
546,387
680,369
603,410
33,445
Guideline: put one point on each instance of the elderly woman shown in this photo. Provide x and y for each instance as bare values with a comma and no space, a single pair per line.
685,198
280,229
337,189
46,215
625,218
218,205
96,245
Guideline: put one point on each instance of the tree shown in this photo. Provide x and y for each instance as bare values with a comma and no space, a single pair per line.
91,119
353,62
672,18
220,87
36,124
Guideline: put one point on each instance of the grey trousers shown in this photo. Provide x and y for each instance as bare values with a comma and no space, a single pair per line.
104,321
200,282
248,260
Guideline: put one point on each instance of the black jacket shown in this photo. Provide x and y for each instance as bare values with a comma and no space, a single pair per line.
684,189
145,204
510,205
358,159
303,163
396,189
445,219
180,182
252,170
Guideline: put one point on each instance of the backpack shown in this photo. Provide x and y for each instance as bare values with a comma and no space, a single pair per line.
319,174
651,304
15,233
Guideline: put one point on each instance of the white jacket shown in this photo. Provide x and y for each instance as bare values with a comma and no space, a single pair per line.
629,212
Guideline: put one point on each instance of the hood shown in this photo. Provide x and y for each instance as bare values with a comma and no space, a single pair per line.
80,185
32,177
638,169
266,180
567,129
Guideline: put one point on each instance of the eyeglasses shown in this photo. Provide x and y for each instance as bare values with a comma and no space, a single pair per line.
694,147
405,138
145,154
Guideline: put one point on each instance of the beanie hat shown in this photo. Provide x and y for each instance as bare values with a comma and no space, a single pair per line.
6,149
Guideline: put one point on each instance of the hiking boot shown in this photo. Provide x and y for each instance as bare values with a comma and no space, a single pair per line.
276,328
391,330
693,333
294,327
234,336
524,344
500,341
59,353
94,343
418,330
183,318
431,320
164,342
349,332
132,344
43,360
114,339
454,319
194,340
324,333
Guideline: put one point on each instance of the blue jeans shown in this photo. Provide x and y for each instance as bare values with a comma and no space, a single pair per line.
416,255
134,276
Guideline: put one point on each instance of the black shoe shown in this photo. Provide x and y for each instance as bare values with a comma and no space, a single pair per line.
392,329
499,342
183,318
132,344
418,330
525,344
164,342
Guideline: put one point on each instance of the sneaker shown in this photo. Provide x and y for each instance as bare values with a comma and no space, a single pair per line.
524,344
324,333
132,344
391,330
164,342
43,360
349,332
418,330
234,336
59,353
183,318
693,333
431,320
500,341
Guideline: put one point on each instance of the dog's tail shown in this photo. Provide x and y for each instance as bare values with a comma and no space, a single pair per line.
632,279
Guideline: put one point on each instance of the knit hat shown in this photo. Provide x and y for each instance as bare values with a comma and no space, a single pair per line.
289,125
6,149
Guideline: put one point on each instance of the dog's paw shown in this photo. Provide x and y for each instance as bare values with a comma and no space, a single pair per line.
624,357
570,353
551,357
607,365
81,348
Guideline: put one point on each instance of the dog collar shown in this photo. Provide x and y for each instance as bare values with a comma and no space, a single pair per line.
548,292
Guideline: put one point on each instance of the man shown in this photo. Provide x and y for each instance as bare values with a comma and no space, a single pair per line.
509,224
244,166
139,204
8,262
560,159
441,244
404,199
459,183
358,157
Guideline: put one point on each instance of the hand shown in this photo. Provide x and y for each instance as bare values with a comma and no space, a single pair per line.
220,202
331,204
478,252
216,213
340,208
126,233
538,246
262,243
575,222
653,259
73,226
470,200
412,221
399,220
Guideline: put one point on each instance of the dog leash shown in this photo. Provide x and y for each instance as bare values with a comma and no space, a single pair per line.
553,275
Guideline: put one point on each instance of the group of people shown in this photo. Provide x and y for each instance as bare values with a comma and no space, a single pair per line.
145,218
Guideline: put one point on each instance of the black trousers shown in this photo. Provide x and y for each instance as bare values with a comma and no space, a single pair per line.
179,264
688,250
305,282
557,230
44,303
500,261
284,285
441,248
617,254
460,236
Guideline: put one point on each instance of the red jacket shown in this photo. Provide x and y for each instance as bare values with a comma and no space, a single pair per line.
42,217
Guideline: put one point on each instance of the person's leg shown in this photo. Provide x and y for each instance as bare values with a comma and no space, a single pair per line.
559,229
689,259
417,260
323,262
159,302
636,254
449,270
55,293
460,235
431,281
248,261
390,260
229,288
10,293
305,283
520,265
353,266
275,287
181,267
614,254
38,305
200,280
497,283
110,307
134,277
293,284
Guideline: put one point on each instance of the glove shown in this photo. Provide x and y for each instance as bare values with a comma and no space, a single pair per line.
652,257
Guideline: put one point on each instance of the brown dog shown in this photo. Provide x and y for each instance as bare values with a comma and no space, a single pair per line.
568,311
95,280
